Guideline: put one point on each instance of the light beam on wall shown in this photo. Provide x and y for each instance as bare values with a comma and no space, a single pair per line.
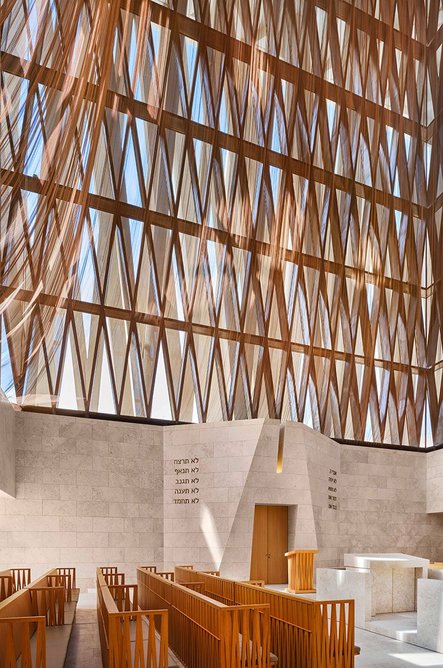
281,445
210,533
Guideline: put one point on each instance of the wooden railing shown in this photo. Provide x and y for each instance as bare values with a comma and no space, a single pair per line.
125,597
106,570
15,641
22,577
62,581
204,632
26,612
304,633
195,586
49,602
151,569
12,580
70,581
168,575
125,637
217,588
114,578
7,587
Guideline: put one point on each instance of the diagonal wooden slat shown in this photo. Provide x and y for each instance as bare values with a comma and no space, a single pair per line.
237,207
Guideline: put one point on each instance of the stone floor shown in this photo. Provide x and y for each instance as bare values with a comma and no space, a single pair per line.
380,652
84,645
376,651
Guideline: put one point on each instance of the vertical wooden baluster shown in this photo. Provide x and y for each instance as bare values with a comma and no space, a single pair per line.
126,656
333,643
40,654
139,657
135,599
25,658
164,645
10,645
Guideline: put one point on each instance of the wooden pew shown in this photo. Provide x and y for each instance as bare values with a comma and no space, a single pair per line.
204,632
125,597
151,569
67,576
106,570
7,587
304,632
195,586
12,580
256,583
128,634
114,578
22,577
36,624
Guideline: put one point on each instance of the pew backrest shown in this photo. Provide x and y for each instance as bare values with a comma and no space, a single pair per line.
7,586
205,632
114,578
125,638
106,570
28,611
22,577
70,580
307,631
15,640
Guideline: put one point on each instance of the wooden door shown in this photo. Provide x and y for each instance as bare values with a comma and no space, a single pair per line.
277,544
269,544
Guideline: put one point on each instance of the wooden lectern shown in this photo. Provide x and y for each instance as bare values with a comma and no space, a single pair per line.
301,571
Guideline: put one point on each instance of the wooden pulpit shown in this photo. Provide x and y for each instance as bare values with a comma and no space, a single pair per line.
301,571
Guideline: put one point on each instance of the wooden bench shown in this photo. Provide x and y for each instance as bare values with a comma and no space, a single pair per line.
304,632
36,622
128,634
204,632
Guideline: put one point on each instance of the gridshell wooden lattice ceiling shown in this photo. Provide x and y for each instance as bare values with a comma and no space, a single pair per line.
223,210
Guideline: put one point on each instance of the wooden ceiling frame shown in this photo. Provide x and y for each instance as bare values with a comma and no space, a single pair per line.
294,252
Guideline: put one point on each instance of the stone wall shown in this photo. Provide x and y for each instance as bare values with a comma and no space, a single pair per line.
214,459
92,492
89,492
383,503
341,498
7,446
434,473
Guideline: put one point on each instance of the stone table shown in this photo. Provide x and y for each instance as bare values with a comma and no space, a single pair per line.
392,579
379,583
